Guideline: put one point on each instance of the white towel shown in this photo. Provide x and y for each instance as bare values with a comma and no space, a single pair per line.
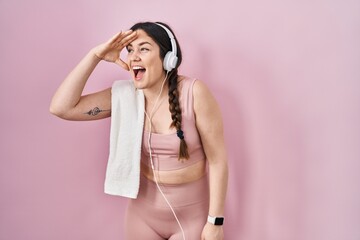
127,122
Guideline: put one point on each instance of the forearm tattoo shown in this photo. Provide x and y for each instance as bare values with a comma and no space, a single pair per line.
95,111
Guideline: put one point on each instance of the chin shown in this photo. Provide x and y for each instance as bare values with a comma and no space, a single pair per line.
138,84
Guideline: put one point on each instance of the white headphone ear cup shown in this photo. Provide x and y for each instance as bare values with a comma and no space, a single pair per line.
173,60
170,61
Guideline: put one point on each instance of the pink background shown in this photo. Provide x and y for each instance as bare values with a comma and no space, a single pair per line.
287,77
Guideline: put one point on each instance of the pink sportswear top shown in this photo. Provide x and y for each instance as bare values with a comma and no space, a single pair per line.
165,147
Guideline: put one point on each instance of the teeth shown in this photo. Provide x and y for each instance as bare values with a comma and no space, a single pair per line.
137,68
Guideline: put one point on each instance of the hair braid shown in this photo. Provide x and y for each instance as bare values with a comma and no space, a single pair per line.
175,110
160,36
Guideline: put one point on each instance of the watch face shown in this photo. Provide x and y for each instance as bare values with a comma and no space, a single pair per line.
219,221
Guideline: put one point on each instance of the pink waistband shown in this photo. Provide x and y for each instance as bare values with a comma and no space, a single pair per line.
179,195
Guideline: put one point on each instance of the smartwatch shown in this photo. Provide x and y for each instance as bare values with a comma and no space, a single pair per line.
218,221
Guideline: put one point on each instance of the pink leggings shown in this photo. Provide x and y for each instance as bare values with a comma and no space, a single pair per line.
149,217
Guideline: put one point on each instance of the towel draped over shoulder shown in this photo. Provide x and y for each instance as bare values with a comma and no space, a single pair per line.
127,122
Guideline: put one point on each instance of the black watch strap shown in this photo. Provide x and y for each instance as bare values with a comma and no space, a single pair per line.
218,221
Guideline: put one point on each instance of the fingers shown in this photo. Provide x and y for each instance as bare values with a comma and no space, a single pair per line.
122,64
122,39
115,37
118,42
129,38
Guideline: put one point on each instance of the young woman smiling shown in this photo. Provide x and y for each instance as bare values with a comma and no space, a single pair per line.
182,136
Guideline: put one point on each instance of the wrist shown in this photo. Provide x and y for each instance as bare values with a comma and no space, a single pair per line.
216,220
95,55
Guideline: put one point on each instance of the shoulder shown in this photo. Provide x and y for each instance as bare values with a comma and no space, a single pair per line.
122,86
201,92
198,87
185,80
205,103
207,111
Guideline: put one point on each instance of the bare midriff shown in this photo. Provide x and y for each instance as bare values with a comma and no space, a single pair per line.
180,176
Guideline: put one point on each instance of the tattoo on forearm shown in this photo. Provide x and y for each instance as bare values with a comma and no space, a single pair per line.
95,111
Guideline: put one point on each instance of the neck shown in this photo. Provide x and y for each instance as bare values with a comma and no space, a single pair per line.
157,92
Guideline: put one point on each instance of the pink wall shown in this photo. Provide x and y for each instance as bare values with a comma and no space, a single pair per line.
286,74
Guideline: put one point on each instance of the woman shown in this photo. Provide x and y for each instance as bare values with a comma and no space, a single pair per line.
176,199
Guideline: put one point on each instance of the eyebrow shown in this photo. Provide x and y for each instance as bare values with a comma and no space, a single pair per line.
140,44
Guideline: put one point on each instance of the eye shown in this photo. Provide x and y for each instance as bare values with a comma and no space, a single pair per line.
130,50
144,49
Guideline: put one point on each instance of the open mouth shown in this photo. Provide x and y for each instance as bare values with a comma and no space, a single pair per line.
139,72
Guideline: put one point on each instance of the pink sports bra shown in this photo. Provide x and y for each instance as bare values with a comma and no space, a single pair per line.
165,147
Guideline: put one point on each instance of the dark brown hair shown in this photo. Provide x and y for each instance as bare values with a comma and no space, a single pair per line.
160,36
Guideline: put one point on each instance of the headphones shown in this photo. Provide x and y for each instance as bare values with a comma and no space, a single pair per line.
170,59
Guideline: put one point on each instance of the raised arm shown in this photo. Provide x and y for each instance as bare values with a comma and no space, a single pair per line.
68,102
210,127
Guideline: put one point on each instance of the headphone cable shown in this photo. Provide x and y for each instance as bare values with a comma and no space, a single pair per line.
151,160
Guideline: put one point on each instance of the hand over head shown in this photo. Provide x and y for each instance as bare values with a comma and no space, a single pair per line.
110,50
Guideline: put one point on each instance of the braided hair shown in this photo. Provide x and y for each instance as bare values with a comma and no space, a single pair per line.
160,36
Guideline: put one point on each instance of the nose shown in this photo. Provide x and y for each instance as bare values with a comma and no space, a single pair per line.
135,56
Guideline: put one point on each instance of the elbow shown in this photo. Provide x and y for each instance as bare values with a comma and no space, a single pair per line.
54,110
